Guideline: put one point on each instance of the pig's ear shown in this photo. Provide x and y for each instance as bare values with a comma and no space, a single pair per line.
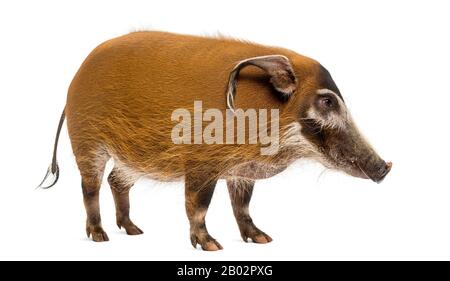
279,68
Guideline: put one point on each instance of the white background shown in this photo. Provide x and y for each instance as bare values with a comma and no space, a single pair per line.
389,58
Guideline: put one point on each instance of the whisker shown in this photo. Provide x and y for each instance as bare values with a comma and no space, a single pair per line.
325,169
357,164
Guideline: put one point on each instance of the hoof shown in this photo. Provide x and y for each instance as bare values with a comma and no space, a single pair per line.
206,242
97,233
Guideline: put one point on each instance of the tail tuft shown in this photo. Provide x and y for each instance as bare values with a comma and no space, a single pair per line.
51,177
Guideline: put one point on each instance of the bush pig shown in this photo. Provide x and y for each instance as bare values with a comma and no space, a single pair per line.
121,106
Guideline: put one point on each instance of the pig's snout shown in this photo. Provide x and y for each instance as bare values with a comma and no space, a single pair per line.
380,173
376,171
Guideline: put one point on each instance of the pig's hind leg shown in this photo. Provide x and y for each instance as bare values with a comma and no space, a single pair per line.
198,193
92,166
240,191
120,186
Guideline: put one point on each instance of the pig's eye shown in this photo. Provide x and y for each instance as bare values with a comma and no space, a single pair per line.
326,102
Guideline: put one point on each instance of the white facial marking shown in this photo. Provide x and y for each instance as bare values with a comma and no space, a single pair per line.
333,119
325,91
292,137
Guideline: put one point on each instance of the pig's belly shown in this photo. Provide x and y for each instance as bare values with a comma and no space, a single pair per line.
255,171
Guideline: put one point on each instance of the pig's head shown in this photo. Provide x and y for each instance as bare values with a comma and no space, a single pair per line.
327,124
320,125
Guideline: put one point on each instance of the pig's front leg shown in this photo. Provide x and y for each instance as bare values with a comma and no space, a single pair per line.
240,191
